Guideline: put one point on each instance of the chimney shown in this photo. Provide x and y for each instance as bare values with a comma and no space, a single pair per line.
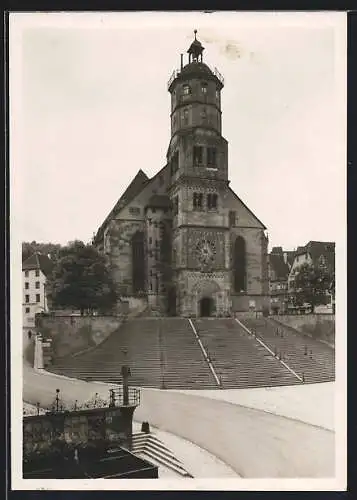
181,61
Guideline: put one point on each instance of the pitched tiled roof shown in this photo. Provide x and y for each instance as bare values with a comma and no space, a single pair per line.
279,266
38,261
320,248
134,188
159,201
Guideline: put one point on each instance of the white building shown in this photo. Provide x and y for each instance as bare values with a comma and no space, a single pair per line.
35,271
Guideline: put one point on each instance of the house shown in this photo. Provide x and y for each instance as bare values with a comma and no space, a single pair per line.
319,254
35,271
278,279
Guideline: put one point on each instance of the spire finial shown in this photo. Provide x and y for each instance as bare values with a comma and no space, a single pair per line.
195,32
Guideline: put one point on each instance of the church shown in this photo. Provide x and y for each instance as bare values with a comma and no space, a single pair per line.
183,240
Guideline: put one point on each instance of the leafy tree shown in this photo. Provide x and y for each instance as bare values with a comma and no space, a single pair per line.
81,279
310,285
29,248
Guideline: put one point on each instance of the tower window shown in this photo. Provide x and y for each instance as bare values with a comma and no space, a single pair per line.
197,155
27,298
185,117
212,201
26,274
37,284
38,298
211,156
176,205
186,90
175,162
26,285
204,87
197,200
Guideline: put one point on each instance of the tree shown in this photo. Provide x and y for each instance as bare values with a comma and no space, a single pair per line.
311,285
81,279
29,249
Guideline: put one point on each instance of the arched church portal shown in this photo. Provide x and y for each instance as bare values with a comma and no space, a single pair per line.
207,307
205,293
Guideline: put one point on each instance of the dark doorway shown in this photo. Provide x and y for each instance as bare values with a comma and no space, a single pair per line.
206,307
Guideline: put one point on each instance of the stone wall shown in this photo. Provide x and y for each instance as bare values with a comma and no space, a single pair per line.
319,326
72,334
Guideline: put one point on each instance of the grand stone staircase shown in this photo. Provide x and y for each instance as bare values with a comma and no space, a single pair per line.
239,360
309,358
166,353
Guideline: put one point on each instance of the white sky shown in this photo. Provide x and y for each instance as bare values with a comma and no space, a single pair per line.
90,107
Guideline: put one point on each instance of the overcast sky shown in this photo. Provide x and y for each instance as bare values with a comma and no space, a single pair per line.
90,107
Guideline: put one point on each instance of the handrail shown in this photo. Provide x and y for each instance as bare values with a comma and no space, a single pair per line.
177,72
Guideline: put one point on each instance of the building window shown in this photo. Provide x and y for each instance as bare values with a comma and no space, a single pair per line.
186,89
184,117
37,272
150,240
212,201
27,299
157,243
37,284
232,218
239,265
211,156
176,205
26,274
134,210
38,298
197,155
26,285
197,200
138,261
204,87
175,162
204,114
27,310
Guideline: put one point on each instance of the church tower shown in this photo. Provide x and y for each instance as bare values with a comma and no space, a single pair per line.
198,160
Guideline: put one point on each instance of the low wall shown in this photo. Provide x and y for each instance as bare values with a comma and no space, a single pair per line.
319,326
72,334
254,443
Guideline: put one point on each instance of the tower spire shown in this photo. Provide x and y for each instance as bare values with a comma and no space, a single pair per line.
195,50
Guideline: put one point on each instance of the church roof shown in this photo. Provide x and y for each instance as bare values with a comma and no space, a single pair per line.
134,188
245,206
159,201
38,261
196,69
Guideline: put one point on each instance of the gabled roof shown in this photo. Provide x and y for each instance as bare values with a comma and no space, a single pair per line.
38,261
316,249
279,266
245,206
134,188
159,201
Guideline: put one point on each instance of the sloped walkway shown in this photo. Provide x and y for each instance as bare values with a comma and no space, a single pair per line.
254,443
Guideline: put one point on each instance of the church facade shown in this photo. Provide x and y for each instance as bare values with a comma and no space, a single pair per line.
183,239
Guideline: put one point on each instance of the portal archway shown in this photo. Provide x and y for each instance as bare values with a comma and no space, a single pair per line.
206,307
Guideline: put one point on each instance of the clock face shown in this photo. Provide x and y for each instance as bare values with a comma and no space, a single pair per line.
206,252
